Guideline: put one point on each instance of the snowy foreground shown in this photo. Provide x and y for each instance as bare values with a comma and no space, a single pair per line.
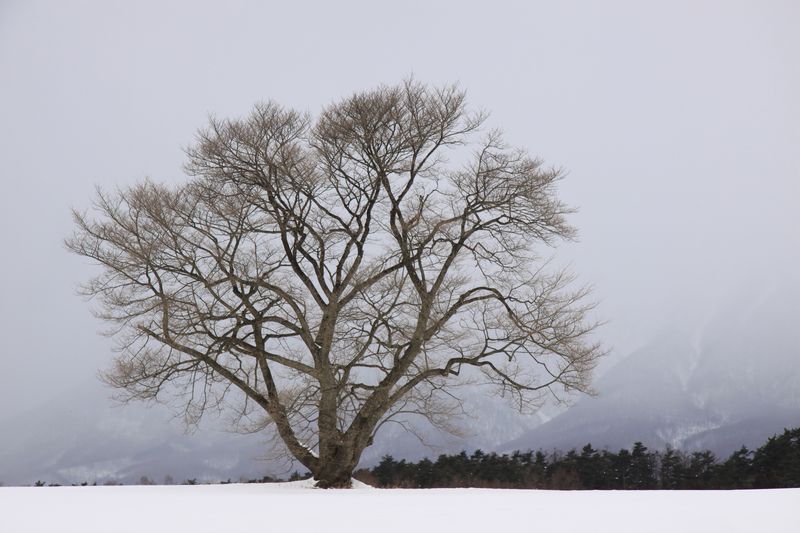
290,507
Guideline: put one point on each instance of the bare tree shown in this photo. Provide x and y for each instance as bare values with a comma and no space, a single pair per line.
335,273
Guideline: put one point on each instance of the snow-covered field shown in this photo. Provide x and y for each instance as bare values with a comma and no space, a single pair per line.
294,507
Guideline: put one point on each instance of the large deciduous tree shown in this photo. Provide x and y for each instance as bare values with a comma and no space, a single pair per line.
334,272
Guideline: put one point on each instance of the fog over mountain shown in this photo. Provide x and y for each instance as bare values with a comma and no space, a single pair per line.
730,380
678,125
85,439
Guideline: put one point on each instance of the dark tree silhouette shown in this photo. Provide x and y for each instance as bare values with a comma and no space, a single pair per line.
331,274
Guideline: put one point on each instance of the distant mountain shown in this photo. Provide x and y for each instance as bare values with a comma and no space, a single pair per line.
82,437
729,379
734,381
488,422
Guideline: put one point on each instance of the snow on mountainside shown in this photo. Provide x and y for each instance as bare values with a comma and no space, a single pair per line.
82,437
733,382
488,421
729,379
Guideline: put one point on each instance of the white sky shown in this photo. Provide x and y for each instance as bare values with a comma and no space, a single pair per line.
679,124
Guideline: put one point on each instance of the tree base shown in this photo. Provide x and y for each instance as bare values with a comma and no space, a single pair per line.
339,482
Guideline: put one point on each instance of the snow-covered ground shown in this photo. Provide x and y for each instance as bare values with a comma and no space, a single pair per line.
293,507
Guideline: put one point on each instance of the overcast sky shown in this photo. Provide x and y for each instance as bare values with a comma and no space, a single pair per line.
679,124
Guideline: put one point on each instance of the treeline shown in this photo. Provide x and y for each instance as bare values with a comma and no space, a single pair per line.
775,464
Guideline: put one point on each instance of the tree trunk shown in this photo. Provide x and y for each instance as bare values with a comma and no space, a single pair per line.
335,470
334,478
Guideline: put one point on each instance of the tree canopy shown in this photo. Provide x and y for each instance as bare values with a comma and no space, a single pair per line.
335,272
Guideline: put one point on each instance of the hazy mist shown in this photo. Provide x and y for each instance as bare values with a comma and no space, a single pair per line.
679,125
